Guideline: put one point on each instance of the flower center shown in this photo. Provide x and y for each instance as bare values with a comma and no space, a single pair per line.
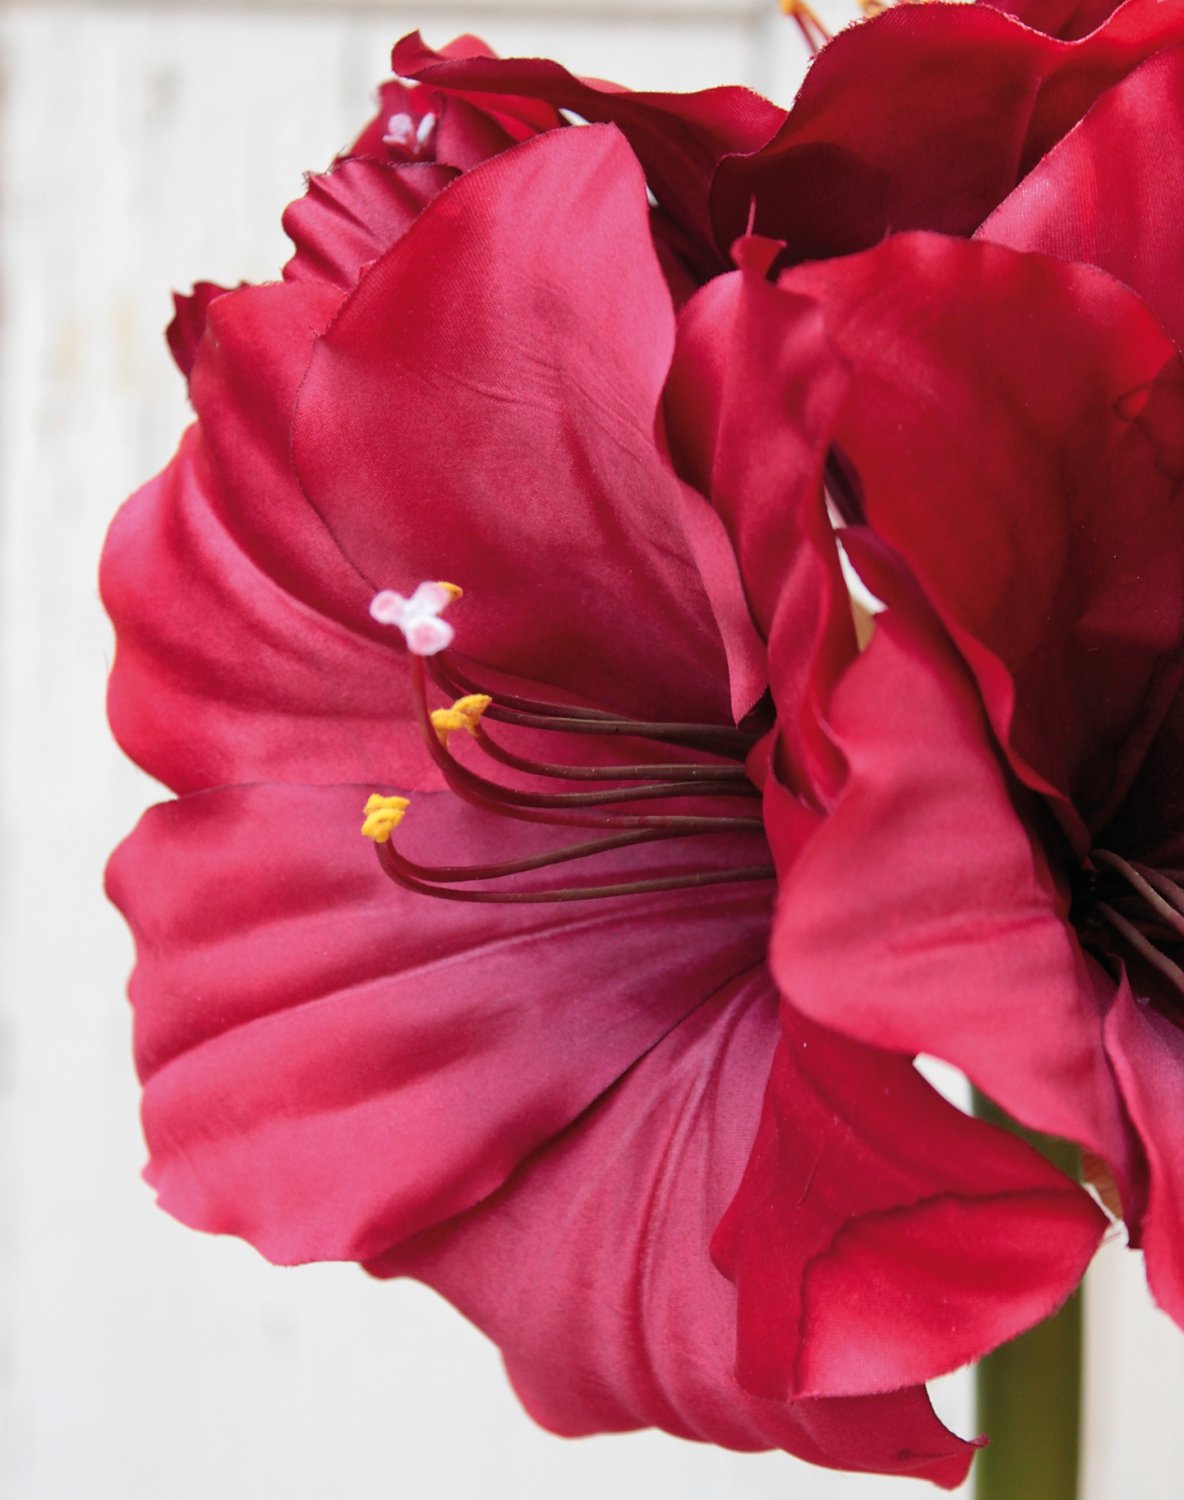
712,765
1131,908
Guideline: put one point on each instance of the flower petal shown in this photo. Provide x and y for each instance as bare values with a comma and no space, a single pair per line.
1102,196
1067,19
1147,1051
351,214
189,322
986,96
332,1063
680,139
880,1237
999,404
590,1268
924,918
494,381
1150,823
242,652
753,399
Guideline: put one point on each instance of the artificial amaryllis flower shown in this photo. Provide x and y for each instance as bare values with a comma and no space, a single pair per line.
928,117
511,486
998,877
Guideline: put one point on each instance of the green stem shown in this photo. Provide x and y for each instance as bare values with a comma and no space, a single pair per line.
1029,1391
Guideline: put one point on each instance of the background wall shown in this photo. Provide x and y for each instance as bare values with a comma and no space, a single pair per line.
140,149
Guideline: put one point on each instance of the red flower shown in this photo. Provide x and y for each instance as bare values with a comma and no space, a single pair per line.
1000,866
549,1110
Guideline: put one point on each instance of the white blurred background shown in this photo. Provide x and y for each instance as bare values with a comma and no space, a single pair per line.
141,148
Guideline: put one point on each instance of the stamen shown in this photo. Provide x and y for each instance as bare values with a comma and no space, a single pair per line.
814,33
576,893
459,874
464,714
467,712
1152,887
732,781
531,713
1145,949
427,636
383,816
515,802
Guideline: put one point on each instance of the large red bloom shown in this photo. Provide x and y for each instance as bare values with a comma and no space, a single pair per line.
685,1176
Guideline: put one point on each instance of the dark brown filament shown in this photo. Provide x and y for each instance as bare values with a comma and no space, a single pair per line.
578,809
1160,917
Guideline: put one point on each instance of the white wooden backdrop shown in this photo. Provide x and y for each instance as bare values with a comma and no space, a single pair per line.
142,148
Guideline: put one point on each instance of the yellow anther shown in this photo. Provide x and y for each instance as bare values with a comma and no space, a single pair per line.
465,714
454,591
383,816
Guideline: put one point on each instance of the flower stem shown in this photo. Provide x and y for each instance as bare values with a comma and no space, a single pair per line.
1029,1391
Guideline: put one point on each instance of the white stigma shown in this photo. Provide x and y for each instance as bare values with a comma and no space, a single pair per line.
417,617
402,131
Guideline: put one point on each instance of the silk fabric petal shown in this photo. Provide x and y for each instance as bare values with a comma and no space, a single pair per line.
880,1237
680,139
999,403
590,1268
242,651
1147,1050
1101,196
924,916
331,1063
494,381
925,117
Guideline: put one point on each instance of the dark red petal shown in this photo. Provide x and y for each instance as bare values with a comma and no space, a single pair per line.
591,1267
1147,1051
1150,824
712,550
351,214
239,655
1112,191
482,410
467,57
680,139
751,404
880,1237
332,1063
999,404
1067,19
925,118
924,918
189,322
